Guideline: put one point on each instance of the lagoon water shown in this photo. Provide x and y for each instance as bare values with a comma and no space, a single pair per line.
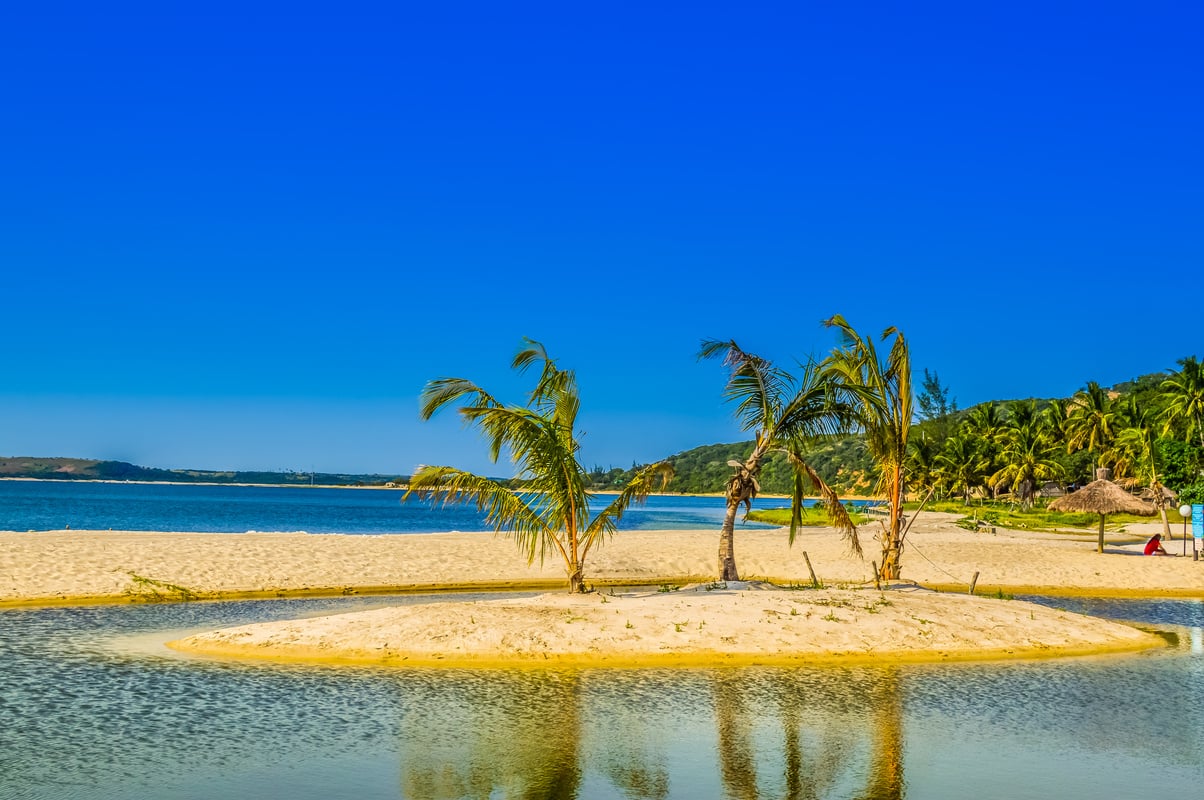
93,505
93,706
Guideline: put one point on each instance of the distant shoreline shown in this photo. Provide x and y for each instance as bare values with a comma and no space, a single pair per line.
395,487
207,483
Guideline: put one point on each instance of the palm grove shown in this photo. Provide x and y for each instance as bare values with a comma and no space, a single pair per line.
857,402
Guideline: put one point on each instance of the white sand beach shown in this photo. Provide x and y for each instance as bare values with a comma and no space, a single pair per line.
849,619
97,566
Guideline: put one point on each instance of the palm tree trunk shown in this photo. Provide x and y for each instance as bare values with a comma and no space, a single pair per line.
892,543
741,488
727,541
576,579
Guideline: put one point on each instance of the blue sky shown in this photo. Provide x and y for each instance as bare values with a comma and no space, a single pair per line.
244,235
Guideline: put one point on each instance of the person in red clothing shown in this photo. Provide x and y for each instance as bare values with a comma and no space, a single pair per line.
1154,546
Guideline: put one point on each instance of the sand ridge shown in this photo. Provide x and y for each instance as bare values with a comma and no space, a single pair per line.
708,624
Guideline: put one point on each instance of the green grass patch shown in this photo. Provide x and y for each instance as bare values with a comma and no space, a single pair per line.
812,518
149,590
1001,514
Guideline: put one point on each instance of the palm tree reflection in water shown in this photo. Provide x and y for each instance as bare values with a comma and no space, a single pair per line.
885,778
474,734
554,735
818,748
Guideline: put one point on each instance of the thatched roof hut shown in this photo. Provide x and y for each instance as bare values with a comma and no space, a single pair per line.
1162,493
1102,497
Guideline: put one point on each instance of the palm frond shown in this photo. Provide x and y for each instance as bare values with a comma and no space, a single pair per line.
442,391
837,513
555,392
754,384
814,411
530,352
636,491
517,429
504,509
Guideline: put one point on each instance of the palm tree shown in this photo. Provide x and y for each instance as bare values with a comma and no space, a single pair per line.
1184,393
986,424
1091,424
1022,412
785,415
1054,420
1135,450
963,464
923,461
1028,460
551,512
880,390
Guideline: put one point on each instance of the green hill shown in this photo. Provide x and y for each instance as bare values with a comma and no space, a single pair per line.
88,469
843,463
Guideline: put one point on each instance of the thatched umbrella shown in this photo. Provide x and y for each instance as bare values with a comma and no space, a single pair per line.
1102,497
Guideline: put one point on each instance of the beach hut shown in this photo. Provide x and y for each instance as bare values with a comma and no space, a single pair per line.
1102,497
1158,496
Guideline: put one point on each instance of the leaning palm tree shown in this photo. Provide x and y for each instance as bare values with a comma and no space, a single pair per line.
551,511
880,389
1184,394
785,415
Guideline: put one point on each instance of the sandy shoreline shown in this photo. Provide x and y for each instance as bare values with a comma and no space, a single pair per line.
74,567
55,567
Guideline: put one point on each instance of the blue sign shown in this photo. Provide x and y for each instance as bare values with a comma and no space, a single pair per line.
1197,521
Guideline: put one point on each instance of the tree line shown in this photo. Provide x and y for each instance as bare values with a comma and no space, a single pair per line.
1149,432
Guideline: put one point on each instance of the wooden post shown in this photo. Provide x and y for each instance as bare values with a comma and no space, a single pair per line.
973,581
877,583
814,580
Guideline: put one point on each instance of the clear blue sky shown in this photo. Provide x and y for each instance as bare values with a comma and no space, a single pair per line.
244,235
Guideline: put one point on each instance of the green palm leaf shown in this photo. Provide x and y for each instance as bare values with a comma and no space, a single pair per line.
784,412
550,512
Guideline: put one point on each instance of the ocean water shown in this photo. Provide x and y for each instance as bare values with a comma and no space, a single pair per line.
93,707
91,505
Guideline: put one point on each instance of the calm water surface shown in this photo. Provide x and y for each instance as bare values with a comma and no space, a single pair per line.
92,706
91,505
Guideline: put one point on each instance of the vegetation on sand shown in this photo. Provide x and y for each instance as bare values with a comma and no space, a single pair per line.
551,510
785,414
879,388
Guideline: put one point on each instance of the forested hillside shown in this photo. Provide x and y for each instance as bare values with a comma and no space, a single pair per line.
843,463
87,469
